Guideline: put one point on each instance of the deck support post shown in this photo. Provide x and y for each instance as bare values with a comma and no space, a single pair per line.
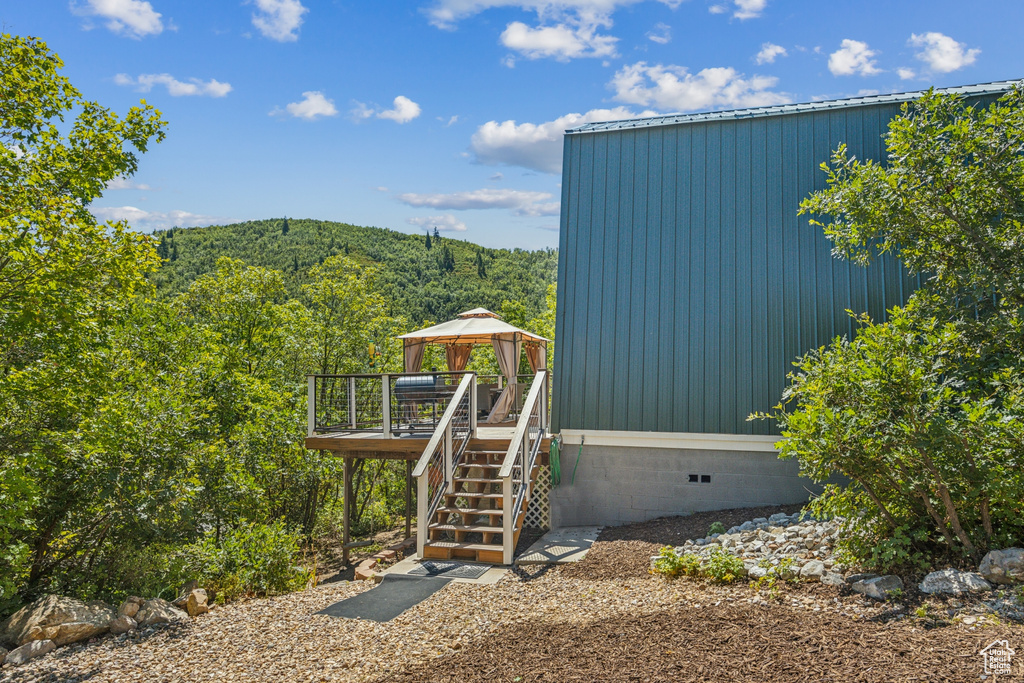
352,403
311,407
385,392
408,498
347,508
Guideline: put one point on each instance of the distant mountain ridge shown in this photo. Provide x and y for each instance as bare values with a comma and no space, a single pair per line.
434,283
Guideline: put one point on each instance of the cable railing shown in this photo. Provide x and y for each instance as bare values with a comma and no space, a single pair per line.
517,467
388,403
435,470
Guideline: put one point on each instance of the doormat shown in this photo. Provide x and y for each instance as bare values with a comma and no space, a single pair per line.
449,570
392,596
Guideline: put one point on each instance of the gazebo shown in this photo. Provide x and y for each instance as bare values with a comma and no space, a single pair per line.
480,326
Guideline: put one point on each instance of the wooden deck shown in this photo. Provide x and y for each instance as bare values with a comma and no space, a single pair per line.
377,446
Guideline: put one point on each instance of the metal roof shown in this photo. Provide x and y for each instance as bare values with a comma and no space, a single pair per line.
776,110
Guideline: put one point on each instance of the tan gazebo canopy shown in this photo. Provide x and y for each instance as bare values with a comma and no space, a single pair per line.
479,326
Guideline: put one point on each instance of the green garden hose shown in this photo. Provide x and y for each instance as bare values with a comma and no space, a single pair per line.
556,467
573,480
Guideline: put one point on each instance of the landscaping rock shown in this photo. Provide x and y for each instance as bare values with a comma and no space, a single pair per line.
130,607
879,587
158,611
197,603
123,624
36,648
182,599
833,579
757,572
812,570
1003,566
60,619
3,655
954,582
854,578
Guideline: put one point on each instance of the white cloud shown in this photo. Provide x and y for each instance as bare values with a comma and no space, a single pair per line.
660,34
853,57
405,110
444,223
497,177
941,53
749,9
176,88
447,13
565,29
537,146
769,52
122,183
561,42
742,9
674,88
279,19
314,104
132,18
905,73
148,221
523,203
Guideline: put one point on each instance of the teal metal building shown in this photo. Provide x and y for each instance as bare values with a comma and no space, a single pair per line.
688,285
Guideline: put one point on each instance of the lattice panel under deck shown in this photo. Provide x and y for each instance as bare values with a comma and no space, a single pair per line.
538,512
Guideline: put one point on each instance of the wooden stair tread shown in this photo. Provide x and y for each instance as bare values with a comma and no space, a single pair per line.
471,511
477,528
470,494
481,465
454,545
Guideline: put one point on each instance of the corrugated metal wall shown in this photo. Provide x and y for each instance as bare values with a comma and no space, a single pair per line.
687,282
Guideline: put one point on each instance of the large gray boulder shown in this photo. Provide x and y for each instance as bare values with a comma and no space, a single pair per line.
1003,566
880,587
3,655
954,582
31,650
60,619
158,611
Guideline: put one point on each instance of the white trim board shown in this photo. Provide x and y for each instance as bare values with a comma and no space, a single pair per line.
687,440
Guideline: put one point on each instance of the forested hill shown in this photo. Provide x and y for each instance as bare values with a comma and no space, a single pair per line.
432,281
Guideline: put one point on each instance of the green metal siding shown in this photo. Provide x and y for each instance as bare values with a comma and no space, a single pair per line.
688,284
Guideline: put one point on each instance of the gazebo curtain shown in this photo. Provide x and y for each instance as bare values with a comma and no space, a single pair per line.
537,356
457,356
414,349
507,351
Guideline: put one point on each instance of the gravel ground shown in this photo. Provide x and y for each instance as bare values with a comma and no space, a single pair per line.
578,623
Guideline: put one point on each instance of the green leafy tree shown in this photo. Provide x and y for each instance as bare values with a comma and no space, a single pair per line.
65,282
923,413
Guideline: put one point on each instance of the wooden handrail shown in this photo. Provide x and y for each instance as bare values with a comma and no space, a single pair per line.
523,424
443,424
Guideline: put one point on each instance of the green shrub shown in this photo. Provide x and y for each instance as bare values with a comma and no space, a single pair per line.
720,566
251,559
716,528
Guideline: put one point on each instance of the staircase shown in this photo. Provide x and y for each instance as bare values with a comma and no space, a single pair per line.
470,524
472,498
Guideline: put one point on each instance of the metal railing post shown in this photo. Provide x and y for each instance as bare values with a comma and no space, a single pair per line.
449,484
385,392
311,407
352,403
472,409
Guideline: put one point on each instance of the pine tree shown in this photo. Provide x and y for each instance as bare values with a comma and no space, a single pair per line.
427,243
284,226
437,235
295,264
174,251
481,270
161,249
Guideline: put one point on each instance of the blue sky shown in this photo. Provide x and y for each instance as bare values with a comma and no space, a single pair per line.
448,113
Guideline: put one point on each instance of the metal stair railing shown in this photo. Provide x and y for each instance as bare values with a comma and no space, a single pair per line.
435,470
520,458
